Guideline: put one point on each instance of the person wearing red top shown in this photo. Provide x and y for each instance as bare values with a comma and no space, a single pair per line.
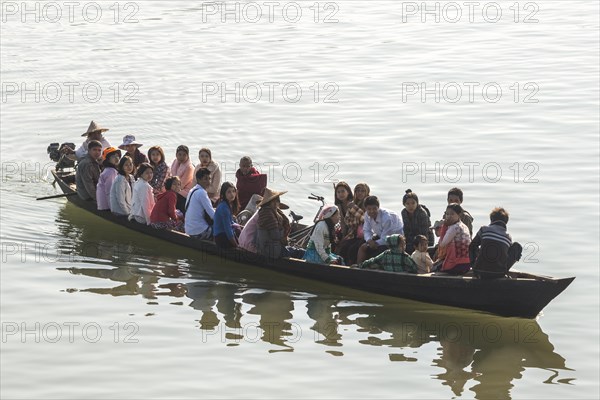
249,181
165,214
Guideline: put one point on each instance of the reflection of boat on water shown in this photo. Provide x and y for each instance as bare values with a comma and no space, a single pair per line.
481,352
523,295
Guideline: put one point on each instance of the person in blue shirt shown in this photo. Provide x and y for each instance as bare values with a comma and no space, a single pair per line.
227,209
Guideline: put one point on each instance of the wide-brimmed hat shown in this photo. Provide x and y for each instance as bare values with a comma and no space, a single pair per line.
94,127
128,140
108,151
270,195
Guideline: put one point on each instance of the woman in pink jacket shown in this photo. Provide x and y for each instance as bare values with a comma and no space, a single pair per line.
183,168
110,161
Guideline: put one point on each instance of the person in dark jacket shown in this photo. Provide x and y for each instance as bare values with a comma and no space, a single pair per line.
492,252
88,171
416,220
249,181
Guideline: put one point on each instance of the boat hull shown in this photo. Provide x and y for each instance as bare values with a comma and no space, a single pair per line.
521,295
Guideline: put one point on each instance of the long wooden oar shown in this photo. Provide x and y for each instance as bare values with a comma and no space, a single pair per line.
57,196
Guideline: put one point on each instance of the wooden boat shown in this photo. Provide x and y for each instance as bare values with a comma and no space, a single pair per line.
519,295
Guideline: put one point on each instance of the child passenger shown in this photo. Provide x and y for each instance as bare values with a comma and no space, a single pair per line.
421,256
395,259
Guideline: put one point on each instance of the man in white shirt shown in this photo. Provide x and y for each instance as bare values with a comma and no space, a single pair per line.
198,207
379,224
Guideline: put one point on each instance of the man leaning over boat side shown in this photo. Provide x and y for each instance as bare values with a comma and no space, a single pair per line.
94,132
88,172
492,251
199,213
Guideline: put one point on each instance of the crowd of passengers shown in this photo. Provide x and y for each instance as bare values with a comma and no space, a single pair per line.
355,231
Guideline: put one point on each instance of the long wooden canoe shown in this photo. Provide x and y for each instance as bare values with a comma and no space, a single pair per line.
519,295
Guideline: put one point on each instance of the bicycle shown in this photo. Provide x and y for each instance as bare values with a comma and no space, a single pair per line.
300,234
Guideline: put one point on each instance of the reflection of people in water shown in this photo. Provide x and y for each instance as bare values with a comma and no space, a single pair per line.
206,295
455,358
321,310
275,310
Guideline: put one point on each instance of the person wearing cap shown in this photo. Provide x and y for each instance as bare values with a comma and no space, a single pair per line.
183,168
88,171
94,132
394,259
110,161
132,149
273,226
199,212
379,224
322,236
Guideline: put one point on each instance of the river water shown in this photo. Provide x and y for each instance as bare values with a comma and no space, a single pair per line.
499,98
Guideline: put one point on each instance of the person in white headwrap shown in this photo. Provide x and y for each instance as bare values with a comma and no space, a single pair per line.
318,250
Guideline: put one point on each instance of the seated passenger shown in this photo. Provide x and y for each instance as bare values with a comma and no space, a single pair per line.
322,236
249,181
394,259
343,199
379,224
247,239
111,157
199,214
455,195
207,162
132,149
353,222
164,214
492,252
421,256
454,243
88,172
183,168
416,220
161,169
122,188
142,200
274,228
227,209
